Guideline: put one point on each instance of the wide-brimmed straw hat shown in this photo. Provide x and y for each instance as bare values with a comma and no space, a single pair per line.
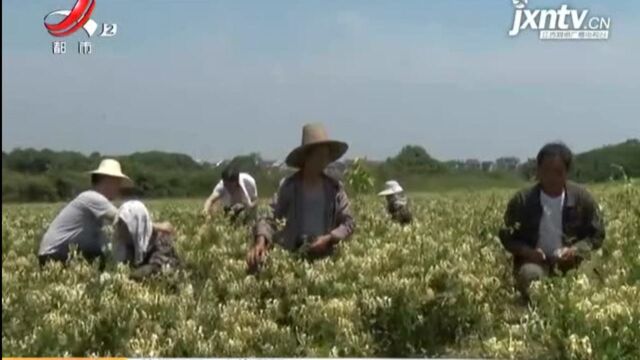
111,167
391,187
314,135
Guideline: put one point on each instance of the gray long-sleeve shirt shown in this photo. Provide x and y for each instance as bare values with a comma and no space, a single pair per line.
79,223
288,204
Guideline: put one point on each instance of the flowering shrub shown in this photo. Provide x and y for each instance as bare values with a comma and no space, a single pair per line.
439,287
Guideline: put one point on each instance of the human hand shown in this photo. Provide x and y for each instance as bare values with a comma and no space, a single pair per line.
566,255
536,255
236,208
321,244
257,253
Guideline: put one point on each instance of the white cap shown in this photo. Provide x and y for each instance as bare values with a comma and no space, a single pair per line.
391,187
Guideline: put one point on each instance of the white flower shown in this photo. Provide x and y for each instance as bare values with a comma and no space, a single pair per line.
104,277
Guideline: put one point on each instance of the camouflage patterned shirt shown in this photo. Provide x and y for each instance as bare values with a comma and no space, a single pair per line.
162,251
397,206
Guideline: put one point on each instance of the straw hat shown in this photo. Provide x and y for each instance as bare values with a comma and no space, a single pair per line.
315,135
110,167
391,187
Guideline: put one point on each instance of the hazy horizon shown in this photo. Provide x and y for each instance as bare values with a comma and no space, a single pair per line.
346,157
218,79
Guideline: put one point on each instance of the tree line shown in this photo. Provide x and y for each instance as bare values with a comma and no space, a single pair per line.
44,175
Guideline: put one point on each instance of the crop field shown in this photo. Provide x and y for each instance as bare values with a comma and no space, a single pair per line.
440,287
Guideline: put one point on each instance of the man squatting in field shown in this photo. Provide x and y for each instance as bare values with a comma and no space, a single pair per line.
80,222
315,206
553,225
238,194
396,202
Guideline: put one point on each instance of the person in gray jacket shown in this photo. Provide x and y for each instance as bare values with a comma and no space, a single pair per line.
315,207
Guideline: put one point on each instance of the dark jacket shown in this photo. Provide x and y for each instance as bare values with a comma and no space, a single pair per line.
287,205
162,251
582,224
398,209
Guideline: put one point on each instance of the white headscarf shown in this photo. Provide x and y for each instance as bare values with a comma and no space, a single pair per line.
138,220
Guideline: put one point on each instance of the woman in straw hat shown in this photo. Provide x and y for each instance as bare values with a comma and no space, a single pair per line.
315,206
396,202
80,222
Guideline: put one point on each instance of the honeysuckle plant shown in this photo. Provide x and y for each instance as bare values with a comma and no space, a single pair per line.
441,286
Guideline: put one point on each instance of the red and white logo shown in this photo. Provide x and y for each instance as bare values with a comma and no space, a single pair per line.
78,17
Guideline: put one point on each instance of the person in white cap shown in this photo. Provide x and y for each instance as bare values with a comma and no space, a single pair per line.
396,202
138,243
314,206
80,222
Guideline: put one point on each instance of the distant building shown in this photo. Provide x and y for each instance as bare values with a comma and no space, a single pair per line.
273,165
455,165
488,166
267,164
280,165
473,164
507,163
337,166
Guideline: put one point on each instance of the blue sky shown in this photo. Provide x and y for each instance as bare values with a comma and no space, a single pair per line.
218,78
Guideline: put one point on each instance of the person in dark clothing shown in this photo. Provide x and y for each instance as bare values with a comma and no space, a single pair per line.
314,207
397,204
553,225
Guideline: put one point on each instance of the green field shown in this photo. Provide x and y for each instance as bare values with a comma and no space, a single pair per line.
441,287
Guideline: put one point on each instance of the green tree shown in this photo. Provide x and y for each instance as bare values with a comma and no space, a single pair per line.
598,164
414,159
248,163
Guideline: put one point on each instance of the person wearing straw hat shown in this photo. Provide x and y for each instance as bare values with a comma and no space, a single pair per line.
315,207
137,242
80,222
396,202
